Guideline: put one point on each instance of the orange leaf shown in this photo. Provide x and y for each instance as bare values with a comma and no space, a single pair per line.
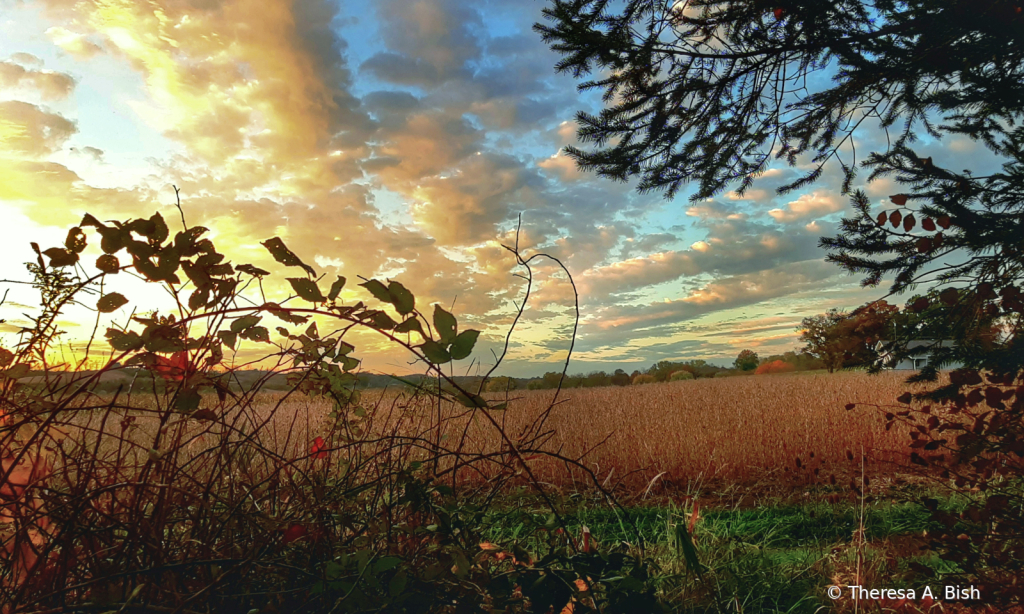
898,199
175,368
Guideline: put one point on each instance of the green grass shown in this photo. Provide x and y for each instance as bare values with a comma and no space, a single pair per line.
775,558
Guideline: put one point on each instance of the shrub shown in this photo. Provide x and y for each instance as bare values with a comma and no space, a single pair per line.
776,366
680,376
185,496
501,384
644,379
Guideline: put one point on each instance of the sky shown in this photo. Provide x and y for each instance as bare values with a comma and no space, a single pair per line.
401,140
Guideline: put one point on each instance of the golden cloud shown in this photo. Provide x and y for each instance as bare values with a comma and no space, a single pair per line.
50,85
813,205
32,131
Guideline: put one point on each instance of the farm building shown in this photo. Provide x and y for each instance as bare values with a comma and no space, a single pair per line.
887,358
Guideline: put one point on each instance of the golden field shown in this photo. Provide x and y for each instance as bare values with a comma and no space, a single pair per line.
678,435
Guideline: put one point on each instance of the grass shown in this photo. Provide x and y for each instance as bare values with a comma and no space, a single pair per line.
772,462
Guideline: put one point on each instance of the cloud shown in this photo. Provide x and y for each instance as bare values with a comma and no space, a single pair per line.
434,33
32,131
563,167
814,205
94,154
714,210
611,324
26,59
465,206
78,45
50,85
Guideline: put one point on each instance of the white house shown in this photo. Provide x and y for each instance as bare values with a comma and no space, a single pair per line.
887,358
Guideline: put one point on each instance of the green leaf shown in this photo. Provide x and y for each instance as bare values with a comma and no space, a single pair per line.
444,324
111,302
113,239
347,363
188,400
434,352
75,240
684,542
397,583
471,400
90,220
336,288
61,257
401,298
124,341
6,357
306,289
278,312
410,325
462,347
251,270
385,563
345,348
256,333
311,331
284,255
378,290
108,264
383,321
243,323
199,298
228,337
160,231
163,338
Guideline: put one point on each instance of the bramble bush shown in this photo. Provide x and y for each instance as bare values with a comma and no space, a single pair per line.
644,379
180,494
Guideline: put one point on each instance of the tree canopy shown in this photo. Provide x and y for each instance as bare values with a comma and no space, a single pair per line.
708,91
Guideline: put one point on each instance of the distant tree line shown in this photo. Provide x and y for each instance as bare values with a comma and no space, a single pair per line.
834,340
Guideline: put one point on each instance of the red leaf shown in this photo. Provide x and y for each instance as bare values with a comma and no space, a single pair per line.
944,221
924,244
318,448
881,218
175,368
895,218
295,532
898,199
928,224
779,13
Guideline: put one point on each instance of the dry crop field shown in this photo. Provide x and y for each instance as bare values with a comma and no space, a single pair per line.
787,429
